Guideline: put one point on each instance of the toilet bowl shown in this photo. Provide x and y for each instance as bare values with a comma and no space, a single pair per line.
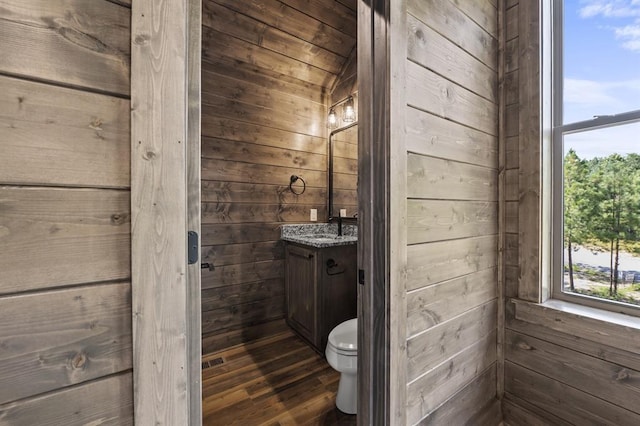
342,355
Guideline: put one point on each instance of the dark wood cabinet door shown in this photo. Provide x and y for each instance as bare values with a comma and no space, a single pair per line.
300,281
337,288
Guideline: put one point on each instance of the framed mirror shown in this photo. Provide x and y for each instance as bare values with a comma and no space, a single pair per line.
343,172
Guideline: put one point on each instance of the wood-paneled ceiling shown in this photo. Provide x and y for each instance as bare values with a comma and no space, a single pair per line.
311,39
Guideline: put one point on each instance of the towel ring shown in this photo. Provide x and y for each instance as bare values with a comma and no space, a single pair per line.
293,180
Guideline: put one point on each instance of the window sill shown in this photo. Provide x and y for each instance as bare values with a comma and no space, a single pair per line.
610,328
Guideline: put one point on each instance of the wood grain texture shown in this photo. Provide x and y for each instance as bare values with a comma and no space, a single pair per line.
433,93
483,12
252,153
245,212
274,380
432,389
587,373
574,406
193,309
90,41
52,340
427,134
246,314
511,216
57,136
529,171
232,192
232,109
59,228
226,254
257,133
574,341
468,406
272,38
437,220
452,336
428,264
220,297
512,154
252,92
601,327
512,56
297,23
593,359
65,334
381,404
331,13
216,42
242,334
452,211
447,19
347,81
511,25
431,50
227,171
162,379
226,65
517,412
434,178
76,405
239,273
441,302
241,233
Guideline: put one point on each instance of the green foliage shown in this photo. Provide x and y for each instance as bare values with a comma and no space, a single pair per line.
602,206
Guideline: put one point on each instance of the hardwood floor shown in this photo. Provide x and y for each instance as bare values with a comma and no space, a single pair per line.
279,380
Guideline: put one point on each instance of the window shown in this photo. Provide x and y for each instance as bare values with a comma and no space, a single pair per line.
596,152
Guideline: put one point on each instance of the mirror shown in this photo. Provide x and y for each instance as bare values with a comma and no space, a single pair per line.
343,171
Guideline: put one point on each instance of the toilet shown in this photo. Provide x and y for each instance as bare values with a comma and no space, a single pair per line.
342,355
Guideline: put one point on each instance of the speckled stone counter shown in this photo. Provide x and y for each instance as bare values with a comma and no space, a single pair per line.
320,235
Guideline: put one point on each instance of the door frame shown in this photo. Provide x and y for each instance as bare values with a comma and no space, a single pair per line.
165,205
165,195
382,212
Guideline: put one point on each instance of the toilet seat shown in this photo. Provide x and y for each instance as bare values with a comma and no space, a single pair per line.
344,337
342,352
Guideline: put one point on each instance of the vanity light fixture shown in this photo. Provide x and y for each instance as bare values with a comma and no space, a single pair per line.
332,119
348,113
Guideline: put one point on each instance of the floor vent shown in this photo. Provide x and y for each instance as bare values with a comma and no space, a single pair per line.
212,363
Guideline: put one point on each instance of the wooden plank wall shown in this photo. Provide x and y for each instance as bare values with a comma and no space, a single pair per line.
452,212
65,308
561,368
266,72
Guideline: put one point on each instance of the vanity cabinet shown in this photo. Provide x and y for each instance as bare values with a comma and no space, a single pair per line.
321,289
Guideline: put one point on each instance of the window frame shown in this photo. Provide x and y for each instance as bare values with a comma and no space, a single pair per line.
558,131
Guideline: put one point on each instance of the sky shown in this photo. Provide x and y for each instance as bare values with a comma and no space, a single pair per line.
601,72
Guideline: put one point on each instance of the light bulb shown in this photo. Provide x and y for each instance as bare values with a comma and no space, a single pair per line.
332,119
348,112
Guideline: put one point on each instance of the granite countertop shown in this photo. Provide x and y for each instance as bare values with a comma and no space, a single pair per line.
320,235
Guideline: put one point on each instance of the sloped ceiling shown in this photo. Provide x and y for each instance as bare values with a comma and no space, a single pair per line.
312,39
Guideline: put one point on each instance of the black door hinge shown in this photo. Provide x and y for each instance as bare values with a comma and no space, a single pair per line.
361,276
192,247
